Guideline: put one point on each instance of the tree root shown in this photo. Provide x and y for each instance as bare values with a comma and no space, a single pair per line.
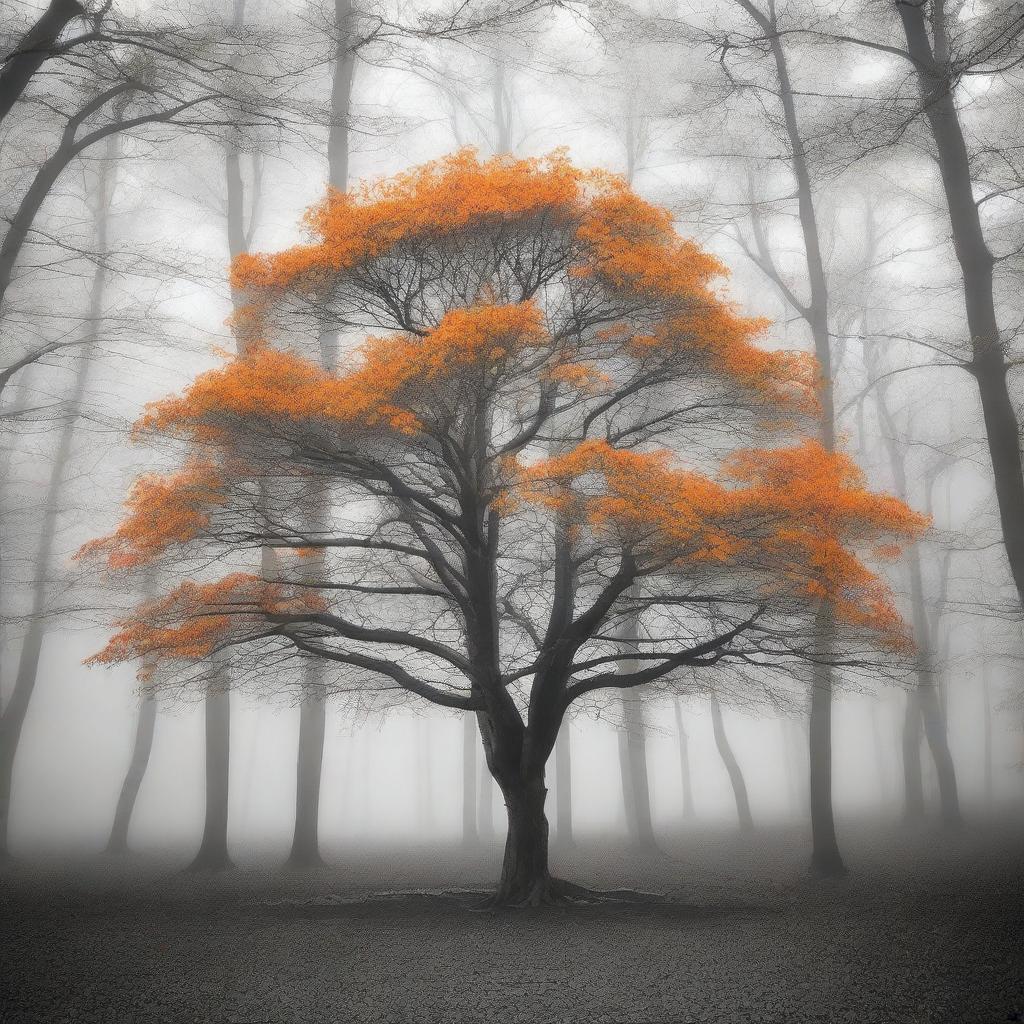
556,892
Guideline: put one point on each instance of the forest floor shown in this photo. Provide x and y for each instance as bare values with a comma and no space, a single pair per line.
925,928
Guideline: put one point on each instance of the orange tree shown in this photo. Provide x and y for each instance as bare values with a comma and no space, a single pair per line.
535,461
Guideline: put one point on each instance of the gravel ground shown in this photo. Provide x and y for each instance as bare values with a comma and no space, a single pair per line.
926,928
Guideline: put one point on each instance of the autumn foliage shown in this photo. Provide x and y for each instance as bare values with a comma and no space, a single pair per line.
536,391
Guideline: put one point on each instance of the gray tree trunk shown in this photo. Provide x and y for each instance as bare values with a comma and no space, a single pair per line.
13,717
563,786
313,716
684,762
141,749
213,850
739,786
34,49
988,363
470,833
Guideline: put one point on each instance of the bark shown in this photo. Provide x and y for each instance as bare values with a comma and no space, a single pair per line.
739,786
470,834
636,790
213,851
485,803
988,362
13,718
880,752
34,49
684,763
424,777
525,879
143,745
986,691
825,855
313,715
563,786
913,782
305,851
924,707
341,96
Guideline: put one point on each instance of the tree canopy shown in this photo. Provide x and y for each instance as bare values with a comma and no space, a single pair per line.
543,435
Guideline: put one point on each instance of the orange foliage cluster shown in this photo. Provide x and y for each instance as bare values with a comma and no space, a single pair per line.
379,391
792,511
163,510
444,196
627,242
821,509
798,513
194,619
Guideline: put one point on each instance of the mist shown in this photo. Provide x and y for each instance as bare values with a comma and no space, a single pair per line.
546,474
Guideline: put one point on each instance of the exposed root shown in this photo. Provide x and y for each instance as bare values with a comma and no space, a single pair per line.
556,892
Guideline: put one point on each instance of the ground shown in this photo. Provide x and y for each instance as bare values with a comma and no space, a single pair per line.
926,928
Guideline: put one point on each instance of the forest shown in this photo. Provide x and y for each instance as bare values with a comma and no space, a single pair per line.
512,510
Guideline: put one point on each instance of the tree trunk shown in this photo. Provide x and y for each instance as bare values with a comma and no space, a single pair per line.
34,49
470,834
986,693
305,850
930,708
485,803
563,786
525,879
880,752
118,842
313,716
913,782
938,742
213,851
739,786
636,790
12,719
988,364
684,762
825,857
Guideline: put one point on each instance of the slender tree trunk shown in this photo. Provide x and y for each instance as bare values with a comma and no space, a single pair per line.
424,777
913,780
305,851
880,752
485,803
739,786
988,365
213,851
934,721
636,790
313,717
141,749
34,49
825,856
563,786
986,693
13,718
470,835
684,762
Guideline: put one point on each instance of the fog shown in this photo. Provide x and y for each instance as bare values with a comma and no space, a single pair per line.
471,614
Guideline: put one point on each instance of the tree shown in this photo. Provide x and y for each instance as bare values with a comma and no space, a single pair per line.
502,455
33,49
732,766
